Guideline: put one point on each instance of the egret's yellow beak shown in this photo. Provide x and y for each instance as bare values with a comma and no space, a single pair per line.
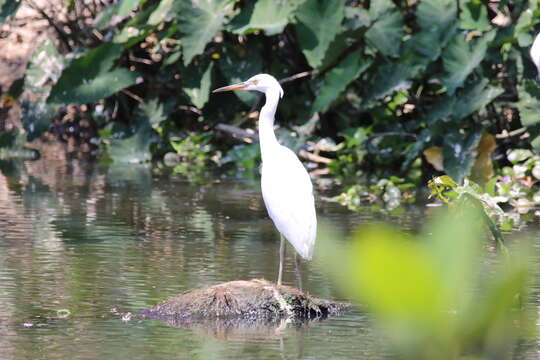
231,87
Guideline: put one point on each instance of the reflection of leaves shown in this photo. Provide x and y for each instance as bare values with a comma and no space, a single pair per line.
318,25
199,21
271,16
90,78
337,79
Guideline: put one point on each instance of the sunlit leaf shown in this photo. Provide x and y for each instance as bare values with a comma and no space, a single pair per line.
271,16
319,22
338,78
482,169
396,277
199,21
461,57
161,12
434,157
474,16
90,78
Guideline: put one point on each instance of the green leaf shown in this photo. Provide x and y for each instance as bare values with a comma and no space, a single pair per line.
89,78
134,148
474,16
152,110
458,106
337,79
386,33
387,79
238,63
42,70
127,6
529,102
475,97
8,8
396,277
436,14
270,16
72,91
161,12
459,152
461,57
414,150
197,83
319,22
199,21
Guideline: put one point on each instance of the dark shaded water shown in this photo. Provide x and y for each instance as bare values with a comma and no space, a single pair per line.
103,241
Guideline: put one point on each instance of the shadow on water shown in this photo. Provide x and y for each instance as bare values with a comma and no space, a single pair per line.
102,241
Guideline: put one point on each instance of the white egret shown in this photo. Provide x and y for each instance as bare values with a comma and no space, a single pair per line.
535,53
286,186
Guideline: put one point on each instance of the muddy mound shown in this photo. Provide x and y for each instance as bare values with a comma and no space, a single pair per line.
253,300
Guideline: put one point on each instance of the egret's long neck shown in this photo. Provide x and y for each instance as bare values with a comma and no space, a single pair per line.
267,137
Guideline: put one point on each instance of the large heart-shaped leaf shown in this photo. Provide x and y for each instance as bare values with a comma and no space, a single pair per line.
89,78
459,152
386,33
134,148
387,79
461,57
238,63
436,14
199,21
270,16
458,106
337,79
319,22
197,83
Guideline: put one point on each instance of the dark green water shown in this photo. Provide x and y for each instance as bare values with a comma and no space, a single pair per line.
104,241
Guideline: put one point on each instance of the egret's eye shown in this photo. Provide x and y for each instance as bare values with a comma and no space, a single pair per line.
254,81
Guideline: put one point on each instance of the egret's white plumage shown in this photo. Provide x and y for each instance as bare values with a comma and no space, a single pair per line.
285,183
535,52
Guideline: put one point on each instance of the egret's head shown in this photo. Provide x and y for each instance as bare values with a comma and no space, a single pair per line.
260,82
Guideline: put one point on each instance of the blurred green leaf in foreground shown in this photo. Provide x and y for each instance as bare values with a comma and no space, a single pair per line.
437,295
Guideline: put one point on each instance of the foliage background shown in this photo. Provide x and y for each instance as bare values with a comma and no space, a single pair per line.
406,88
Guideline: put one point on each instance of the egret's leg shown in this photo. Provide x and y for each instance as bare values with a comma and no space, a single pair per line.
281,258
298,272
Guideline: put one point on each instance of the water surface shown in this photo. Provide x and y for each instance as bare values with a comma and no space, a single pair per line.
101,241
